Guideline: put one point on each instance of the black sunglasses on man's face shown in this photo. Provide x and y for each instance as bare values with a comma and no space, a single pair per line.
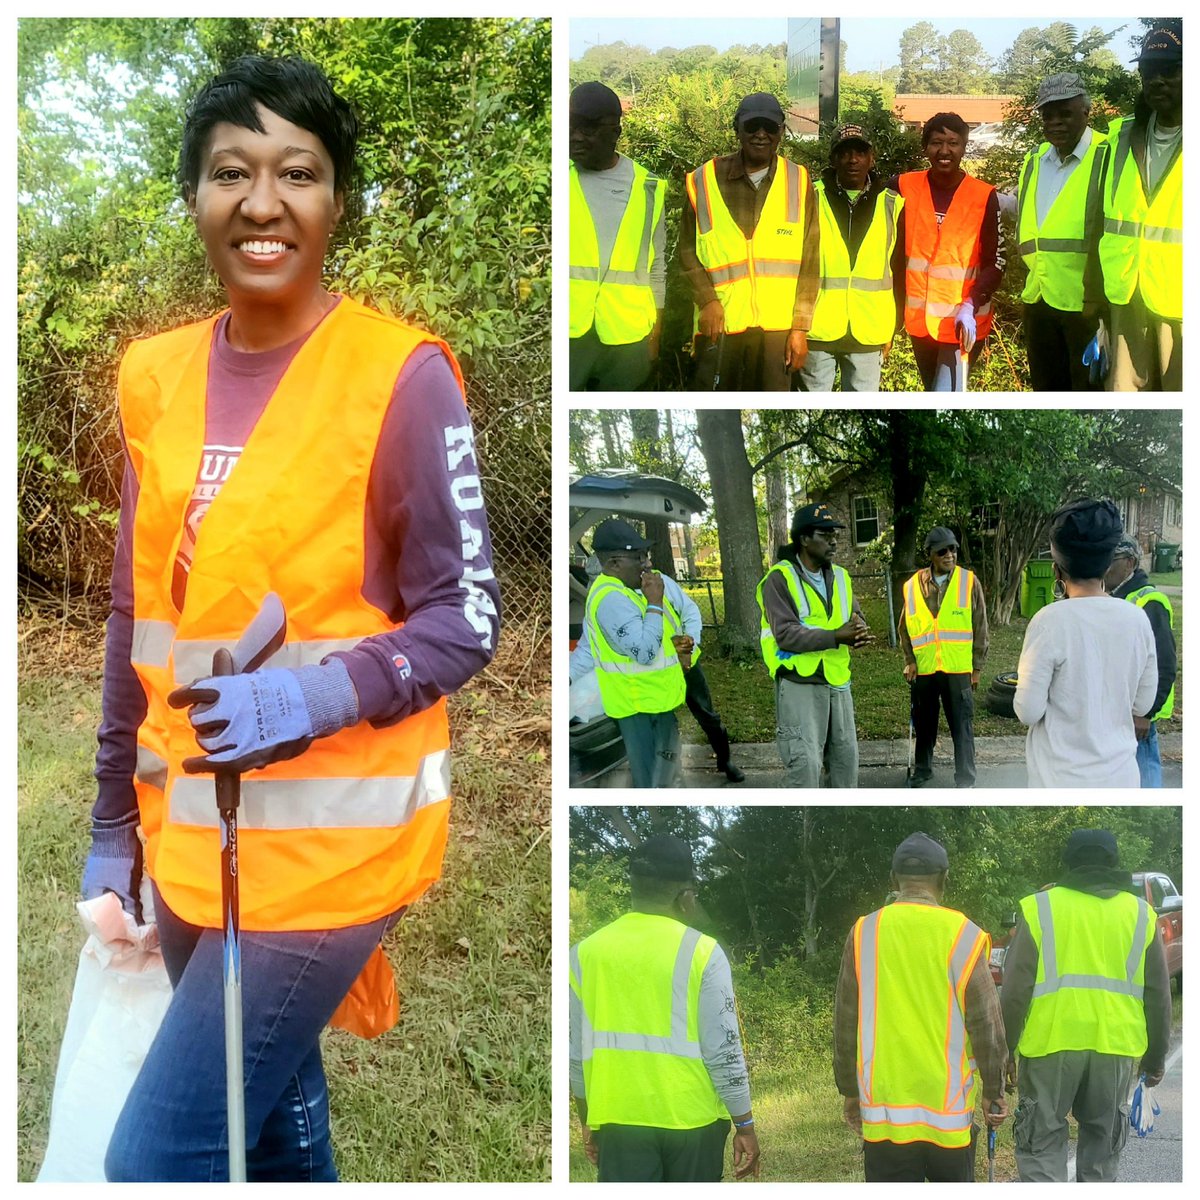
760,124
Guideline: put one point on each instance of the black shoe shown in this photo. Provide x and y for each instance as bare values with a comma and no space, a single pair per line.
918,781
732,773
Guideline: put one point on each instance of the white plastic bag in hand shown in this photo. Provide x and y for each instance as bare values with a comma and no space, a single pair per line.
121,993
585,700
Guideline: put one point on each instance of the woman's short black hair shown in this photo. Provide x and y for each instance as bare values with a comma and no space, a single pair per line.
292,87
944,121
1083,535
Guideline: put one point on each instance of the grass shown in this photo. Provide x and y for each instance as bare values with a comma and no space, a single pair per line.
1170,578
745,698
460,1089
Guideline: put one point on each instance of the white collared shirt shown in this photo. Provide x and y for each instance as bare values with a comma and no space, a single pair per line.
1053,173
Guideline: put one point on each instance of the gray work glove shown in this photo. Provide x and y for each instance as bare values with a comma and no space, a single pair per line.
114,863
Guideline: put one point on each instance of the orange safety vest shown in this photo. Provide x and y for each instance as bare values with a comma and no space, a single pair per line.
355,827
943,260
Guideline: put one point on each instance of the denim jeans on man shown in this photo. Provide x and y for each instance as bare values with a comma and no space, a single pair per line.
860,372
1148,760
173,1126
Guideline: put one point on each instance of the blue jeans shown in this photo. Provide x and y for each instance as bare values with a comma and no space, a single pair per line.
173,1126
860,372
1148,761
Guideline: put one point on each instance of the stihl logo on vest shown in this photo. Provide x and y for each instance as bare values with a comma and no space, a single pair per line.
784,232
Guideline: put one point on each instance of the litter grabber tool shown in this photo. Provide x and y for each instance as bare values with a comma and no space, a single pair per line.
716,386
992,1146
263,636
1143,1108
912,736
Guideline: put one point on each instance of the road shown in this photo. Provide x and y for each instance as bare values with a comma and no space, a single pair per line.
1158,1157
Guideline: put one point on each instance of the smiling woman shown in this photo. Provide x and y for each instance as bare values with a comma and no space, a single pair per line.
261,457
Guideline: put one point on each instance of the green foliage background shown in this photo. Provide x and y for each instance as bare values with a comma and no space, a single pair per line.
448,226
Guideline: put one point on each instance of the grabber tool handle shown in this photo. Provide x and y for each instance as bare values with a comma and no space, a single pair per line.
229,783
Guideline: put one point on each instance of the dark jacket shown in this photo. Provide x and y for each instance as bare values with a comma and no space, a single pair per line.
1164,639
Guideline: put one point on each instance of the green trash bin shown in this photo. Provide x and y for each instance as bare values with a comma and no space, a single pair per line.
1164,556
1037,585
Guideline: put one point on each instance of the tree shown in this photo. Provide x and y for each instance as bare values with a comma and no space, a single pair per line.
964,67
724,448
918,58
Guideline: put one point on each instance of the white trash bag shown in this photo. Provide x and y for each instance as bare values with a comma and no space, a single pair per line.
585,701
121,993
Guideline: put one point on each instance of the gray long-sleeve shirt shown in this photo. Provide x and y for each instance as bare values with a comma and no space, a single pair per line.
720,1039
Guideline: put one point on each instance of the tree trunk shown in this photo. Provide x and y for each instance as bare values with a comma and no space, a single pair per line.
646,453
614,455
689,549
909,474
724,447
779,520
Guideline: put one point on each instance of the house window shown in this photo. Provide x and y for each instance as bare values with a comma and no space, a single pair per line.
1171,511
866,520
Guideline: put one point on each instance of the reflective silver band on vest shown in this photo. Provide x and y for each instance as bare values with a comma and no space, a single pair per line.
793,192
954,635
842,283
729,274
152,643
193,659
924,639
151,769
643,258
964,587
383,802
678,1043
914,1114
780,268
661,662
1148,233
1054,982
1054,246
868,950
704,219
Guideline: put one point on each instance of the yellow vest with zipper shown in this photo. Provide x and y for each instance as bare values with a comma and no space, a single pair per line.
615,298
628,687
1055,252
811,610
944,642
916,1072
638,982
754,278
1141,248
857,299
1087,993
1142,597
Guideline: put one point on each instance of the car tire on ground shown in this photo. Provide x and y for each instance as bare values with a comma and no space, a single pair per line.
999,698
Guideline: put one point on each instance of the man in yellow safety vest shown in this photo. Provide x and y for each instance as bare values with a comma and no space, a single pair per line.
1141,248
617,251
749,248
1086,997
630,624
944,637
657,1069
917,1033
1058,231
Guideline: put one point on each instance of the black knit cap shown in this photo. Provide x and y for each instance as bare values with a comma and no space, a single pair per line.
1090,848
919,854
1084,535
594,102
664,857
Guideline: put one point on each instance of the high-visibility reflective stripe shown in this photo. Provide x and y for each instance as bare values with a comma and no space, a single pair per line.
1054,245
1122,228
1053,981
803,609
868,982
839,590
372,803
941,271
954,635
152,643
843,283
637,278
193,659
777,267
1160,233
635,668
924,639
729,274
936,308
964,593
910,597
642,266
704,217
793,192
677,1044
151,769
914,1114
1120,154
959,1083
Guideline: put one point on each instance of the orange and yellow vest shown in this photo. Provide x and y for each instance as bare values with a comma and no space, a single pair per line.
916,1073
755,277
941,643
355,827
943,260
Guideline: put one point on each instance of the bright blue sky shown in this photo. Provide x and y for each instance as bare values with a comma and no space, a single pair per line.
870,40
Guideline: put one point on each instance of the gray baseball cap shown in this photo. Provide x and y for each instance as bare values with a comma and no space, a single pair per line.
919,854
1064,86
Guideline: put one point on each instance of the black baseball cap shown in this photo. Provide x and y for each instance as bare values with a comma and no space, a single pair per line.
1090,848
758,104
1161,45
664,857
594,102
814,516
849,133
919,854
609,536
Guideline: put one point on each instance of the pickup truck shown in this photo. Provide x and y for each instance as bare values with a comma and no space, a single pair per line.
1157,890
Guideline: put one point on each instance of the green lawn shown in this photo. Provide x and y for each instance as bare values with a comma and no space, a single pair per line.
460,1089
1168,578
744,695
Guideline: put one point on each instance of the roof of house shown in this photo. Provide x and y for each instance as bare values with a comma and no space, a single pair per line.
975,110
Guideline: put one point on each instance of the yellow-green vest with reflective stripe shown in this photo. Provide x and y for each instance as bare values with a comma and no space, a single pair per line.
857,299
1087,994
811,611
626,686
616,298
1056,251
916,1072
1141,248
638,982
1142,597
944,642
673,623
755,277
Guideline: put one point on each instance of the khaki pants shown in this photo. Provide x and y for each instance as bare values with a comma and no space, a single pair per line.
1147,351
815,729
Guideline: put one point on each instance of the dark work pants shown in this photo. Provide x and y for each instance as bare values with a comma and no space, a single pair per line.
953,693
925,351
1055,341
596,367
700,705
641,1154
915,1162
751,361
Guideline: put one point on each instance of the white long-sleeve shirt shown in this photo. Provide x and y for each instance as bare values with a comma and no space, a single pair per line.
1086,667
619,618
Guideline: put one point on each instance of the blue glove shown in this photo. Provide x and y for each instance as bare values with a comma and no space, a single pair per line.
114,863
248,721
964,325
1095,358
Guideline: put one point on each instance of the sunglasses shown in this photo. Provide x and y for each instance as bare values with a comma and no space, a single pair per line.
760,125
